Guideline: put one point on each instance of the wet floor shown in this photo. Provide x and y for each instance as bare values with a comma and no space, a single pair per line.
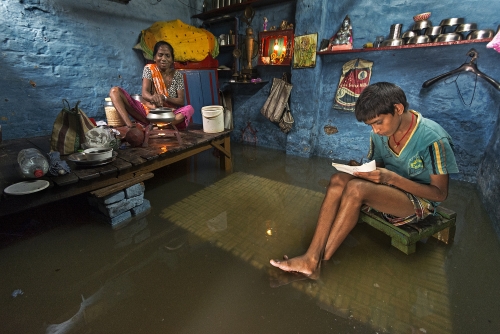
199,261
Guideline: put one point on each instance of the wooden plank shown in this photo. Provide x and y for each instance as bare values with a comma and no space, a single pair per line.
121,185
129,165
64,180
132,155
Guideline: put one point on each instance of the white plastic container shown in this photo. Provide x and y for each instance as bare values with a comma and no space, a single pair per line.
213,119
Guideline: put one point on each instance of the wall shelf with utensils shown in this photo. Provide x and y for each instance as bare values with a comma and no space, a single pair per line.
408,46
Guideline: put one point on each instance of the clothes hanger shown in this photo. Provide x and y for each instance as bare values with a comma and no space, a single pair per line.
466,67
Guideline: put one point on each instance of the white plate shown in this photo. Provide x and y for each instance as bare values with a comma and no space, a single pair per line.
26,187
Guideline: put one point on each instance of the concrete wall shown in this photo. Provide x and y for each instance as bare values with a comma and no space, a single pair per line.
71,49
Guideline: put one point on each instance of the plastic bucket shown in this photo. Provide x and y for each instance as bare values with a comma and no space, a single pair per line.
213,119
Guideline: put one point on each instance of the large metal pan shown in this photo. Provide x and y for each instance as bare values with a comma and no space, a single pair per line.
163,115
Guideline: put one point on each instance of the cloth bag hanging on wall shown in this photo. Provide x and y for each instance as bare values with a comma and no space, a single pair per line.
68,132
355,78
276,105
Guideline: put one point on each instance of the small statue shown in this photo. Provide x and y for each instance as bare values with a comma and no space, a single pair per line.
343,38
264,25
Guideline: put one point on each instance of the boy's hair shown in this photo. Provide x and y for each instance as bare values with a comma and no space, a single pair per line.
161,43
379,98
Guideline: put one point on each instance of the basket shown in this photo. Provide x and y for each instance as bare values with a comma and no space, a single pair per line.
113,117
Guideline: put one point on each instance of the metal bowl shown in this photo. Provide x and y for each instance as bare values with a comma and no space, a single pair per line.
136,97
466,27
392,42
480,34
420,25
422,39
407,35
452,22
433,31
449,37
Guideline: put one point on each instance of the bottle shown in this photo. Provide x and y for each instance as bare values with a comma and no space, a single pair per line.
32,162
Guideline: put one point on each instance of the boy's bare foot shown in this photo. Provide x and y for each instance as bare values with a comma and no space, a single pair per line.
299,264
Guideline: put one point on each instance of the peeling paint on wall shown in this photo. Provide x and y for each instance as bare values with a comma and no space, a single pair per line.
330,130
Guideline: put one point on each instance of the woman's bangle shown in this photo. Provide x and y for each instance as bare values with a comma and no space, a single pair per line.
165,98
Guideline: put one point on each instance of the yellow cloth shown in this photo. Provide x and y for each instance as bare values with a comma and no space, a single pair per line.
189,43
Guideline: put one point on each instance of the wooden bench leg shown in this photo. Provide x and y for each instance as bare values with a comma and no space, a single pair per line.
447,235
407,249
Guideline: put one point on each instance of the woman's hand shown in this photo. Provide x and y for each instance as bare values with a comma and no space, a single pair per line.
157,100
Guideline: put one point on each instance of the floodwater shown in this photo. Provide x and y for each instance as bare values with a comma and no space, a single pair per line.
199,261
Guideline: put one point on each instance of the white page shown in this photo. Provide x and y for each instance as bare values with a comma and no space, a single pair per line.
367,167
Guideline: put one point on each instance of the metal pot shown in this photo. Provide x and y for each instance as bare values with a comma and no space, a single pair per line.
480,34
392,42
136,97
449,37
163,115
421,39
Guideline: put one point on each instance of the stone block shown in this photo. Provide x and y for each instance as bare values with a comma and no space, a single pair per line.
112,210
113,198
140,209
135,190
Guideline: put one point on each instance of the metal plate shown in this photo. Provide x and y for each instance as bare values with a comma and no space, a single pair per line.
80,159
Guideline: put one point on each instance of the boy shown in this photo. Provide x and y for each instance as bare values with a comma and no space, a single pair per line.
414,157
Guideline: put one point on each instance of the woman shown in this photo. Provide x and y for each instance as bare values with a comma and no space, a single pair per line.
162,86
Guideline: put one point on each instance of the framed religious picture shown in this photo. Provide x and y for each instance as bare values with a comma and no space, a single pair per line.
304,55
275,47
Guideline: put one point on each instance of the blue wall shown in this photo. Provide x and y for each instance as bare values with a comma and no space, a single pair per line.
74,49
70,49
474,128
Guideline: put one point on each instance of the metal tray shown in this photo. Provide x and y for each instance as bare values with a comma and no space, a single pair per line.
80,159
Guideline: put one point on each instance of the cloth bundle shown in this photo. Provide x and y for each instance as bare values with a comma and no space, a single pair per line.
189,43
56,165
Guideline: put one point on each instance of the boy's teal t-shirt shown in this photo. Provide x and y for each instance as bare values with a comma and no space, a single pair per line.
428,151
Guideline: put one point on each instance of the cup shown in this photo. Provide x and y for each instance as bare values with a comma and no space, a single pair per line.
395,31
378,41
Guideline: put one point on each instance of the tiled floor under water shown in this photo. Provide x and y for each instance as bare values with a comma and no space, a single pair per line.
199,261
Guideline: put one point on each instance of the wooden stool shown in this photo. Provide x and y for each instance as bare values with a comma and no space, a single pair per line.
404,237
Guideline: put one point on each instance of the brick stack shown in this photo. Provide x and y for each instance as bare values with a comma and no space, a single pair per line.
120,207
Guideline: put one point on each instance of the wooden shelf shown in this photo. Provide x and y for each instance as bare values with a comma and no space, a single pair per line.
221,12
402,47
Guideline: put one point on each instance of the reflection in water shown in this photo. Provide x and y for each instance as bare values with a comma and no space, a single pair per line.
361,278
199,262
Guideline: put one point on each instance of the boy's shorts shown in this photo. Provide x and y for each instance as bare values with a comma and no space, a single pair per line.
423,208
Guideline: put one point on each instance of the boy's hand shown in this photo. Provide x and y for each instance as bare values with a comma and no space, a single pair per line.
380,175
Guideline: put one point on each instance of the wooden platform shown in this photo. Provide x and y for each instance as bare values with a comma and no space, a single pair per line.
131,164
405,237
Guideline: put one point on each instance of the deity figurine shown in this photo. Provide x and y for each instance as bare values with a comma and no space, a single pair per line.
343,39
264,25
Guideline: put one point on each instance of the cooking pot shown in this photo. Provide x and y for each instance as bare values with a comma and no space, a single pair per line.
480,34
392,42
421,39
449,37
163,115
136,97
